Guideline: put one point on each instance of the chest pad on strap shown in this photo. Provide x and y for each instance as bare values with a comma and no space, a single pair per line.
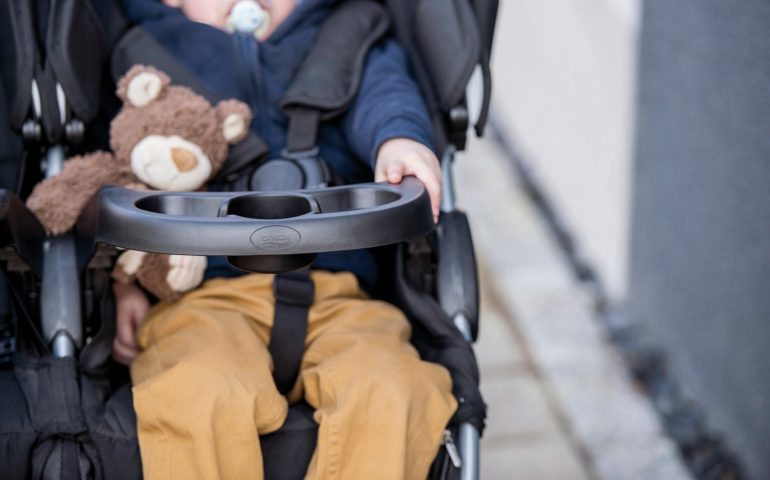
329,78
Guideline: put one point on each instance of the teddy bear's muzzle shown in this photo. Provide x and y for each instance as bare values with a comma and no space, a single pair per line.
170,163
184,159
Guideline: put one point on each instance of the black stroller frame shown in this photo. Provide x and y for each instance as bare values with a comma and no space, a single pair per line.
56,99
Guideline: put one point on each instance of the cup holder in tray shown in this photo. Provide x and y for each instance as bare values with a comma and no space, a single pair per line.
271,206
182,204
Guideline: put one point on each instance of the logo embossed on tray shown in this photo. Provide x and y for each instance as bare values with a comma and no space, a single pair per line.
275,238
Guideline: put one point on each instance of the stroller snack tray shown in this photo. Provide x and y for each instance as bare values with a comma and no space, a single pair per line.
286,229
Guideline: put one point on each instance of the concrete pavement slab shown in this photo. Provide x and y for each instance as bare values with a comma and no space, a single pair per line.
546,458
584,411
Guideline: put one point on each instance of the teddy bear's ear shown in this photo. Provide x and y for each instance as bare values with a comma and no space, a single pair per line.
141,85
235,118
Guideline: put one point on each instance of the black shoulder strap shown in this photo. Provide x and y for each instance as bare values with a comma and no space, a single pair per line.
293,296
139,47
328,79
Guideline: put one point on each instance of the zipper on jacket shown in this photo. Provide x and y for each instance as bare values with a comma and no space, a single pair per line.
451,449
252,74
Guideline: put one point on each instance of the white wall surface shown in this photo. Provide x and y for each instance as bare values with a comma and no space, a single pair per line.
564,92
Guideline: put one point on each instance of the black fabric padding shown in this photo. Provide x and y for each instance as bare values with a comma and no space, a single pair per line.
11,153
439,341
17,436
486,15
18,56
49,404
74,29
139,47
20,229
328,80
39,410
113,432
293,296
286,453
445,40
449,42
457,282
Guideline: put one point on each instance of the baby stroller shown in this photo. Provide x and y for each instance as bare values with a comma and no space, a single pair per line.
66,410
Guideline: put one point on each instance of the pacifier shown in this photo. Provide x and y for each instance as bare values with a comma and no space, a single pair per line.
248,16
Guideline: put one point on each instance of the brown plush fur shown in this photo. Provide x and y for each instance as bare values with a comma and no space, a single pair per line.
120,275
152,276
58,201
177,111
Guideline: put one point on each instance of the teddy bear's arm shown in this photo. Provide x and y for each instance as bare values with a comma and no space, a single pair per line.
169,276
58,201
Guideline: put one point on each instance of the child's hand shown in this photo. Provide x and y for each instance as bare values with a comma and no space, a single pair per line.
131,307
400,157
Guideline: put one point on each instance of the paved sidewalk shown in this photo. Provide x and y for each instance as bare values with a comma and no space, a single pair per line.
526,437
561,405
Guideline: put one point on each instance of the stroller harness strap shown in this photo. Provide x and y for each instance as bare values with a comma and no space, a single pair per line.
294,293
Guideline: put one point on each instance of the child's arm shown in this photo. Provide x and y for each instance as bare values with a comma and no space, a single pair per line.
388,123
131,306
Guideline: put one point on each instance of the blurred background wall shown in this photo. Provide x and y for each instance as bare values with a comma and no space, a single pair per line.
700,255
647,125
564,90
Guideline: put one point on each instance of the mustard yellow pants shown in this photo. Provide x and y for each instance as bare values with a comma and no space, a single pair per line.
203,389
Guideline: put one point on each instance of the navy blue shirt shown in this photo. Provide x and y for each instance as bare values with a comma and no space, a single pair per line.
388,104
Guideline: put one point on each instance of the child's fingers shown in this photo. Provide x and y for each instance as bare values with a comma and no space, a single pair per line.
392,171
432,182
396,172
122,353
127,322
425,167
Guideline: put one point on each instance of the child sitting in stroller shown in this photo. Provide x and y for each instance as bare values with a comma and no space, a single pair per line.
200,366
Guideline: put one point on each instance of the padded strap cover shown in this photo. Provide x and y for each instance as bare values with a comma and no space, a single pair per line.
329,78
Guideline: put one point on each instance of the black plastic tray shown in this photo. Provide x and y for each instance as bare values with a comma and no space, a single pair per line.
259,231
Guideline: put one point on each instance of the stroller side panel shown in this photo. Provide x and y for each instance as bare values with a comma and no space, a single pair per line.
17,436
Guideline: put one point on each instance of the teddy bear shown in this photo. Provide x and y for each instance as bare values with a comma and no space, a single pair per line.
165,137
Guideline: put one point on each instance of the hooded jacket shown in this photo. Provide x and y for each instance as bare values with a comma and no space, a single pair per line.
388,104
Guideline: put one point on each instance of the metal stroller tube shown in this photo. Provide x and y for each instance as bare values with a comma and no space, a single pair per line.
469,434
448,197
60,297
60,292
